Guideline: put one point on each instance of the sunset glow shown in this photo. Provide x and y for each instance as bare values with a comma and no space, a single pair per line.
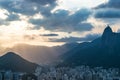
43,24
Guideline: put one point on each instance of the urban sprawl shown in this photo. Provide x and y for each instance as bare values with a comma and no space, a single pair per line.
64,73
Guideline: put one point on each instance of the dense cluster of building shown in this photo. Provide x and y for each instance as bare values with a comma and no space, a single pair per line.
64,73
78,73
9,75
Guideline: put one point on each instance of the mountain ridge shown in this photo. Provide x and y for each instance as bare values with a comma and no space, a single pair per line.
41,55
14,62
103,51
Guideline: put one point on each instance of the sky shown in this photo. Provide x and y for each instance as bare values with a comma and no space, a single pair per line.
55,22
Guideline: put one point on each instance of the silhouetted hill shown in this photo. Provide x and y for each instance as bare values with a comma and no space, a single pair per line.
41,54
103,51
12,61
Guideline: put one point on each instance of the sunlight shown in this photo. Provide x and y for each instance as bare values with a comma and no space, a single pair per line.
15,27
3,14
77,4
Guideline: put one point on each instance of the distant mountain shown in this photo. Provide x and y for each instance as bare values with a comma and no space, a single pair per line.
12,61
103,51
41,54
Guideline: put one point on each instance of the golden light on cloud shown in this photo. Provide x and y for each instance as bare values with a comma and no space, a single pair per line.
77,4
15,27
23,31
3,14
19,32
38,16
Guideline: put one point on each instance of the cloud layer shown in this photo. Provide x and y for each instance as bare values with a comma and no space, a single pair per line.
62,20
108,13
28,7
110,4
89,37
58,20
111,9
46,19
49,35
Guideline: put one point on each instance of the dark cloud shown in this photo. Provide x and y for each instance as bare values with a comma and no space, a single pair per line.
110,4
107,13
17,7
43,2
30,37
111,9
12,17
3,22
62,20
28,7
48,35
89,37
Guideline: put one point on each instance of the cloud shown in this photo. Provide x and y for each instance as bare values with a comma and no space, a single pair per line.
43,2
29,7
7,17
89,37
49,35
12,17
110,9
58,20
110,4
107,13
4,22
62,20
29,37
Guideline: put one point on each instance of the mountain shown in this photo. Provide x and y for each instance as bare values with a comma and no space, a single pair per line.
41,54
12,61
103,51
